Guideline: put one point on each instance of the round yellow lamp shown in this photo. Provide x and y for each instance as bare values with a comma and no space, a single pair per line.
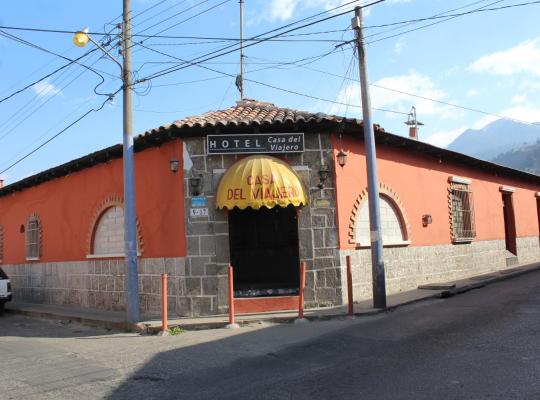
81,38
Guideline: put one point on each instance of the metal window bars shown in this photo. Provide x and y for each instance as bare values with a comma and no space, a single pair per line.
32,239
463,229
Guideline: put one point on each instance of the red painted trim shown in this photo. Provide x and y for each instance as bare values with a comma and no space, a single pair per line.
265,304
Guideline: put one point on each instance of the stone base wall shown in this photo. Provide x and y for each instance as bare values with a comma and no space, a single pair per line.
101,284
408,267
528,250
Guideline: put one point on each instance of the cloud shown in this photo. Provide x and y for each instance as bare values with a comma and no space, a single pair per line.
444,138
523,58
381,98
523,112
472,93
400,44
283,10
45,88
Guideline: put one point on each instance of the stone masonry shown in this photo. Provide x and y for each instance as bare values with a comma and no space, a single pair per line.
408,267
208,237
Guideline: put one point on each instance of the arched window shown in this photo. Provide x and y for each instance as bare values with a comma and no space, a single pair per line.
33,238
394,227
108,238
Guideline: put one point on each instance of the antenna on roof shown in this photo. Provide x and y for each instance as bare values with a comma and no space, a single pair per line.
413,123
240,78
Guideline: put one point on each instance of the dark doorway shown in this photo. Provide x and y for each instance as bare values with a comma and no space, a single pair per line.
264,251
509,223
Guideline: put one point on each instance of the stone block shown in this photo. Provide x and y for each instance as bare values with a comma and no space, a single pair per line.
333,277
210,269
223,292
318,238
320,278
323,263
210,286
195,227
306,243
311,141
201,305
199,164
221,227
183,306
330,237
222,250
197,265
207,245
304,218
193,246
325,252
193,286
318,221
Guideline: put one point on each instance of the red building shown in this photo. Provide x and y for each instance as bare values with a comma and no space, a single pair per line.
259,186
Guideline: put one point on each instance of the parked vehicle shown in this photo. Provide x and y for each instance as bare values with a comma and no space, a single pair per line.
5,290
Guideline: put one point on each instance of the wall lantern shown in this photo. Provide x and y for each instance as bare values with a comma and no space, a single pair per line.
323,176
195,183
341,158
426,219
174,164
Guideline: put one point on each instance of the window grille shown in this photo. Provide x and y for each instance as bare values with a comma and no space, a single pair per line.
462,210
33,238
1,244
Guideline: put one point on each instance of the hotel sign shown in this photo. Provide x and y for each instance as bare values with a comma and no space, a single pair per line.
254,144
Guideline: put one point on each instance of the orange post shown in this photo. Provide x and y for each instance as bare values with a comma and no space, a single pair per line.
301,291
231,295
164,317
349,286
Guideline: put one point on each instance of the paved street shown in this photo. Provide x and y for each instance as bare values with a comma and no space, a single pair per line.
484,344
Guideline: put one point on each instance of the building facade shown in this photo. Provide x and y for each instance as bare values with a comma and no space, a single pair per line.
260,187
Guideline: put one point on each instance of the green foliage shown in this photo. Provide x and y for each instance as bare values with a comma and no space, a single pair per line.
175,330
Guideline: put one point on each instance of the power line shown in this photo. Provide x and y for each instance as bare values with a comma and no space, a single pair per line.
421,97
57,134
210,56
446,17
276,87
46,76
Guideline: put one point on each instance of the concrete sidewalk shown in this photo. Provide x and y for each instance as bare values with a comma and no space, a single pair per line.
152,324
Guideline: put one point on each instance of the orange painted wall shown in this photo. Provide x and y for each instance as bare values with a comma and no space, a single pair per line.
67,205
421,182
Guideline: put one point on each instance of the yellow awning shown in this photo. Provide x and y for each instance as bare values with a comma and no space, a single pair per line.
260,181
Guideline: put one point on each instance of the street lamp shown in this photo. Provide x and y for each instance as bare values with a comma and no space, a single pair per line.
80,39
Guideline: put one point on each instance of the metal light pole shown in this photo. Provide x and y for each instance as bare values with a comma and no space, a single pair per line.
130,225
377,263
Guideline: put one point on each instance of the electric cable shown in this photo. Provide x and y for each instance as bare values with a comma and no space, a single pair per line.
57,134
210,57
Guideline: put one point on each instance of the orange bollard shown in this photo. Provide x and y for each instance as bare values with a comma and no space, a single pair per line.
231,295
164,317
301,291
349,286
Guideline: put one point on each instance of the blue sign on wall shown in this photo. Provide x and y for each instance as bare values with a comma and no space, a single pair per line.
198,201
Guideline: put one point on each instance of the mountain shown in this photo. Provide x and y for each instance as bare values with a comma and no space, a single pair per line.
495,138
526,158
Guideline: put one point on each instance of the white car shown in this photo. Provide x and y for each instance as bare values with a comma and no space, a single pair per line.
5,290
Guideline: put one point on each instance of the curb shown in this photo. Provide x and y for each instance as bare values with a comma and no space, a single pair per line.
99,323
145,328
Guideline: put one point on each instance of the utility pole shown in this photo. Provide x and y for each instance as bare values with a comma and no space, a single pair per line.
377,263
240,77
130,224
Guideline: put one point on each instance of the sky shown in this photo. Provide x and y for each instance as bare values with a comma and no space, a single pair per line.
487,61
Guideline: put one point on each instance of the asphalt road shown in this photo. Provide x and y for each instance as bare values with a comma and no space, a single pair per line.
484,344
